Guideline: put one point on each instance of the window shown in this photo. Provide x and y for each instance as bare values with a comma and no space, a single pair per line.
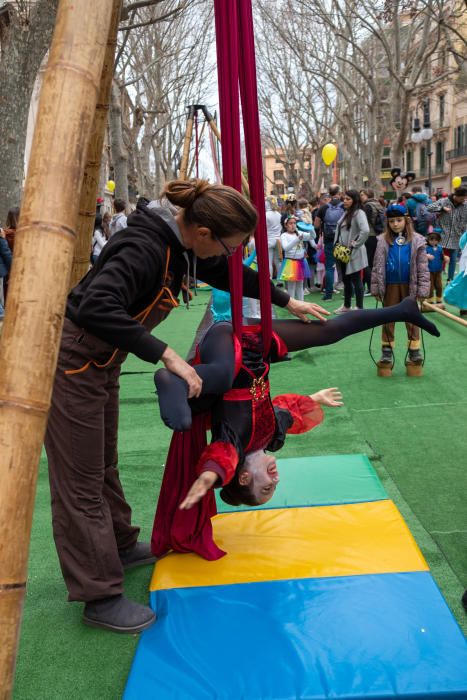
442,105
439,156
278,161
409,159
386,159
278,174
426,111
280,189
460,136
422,160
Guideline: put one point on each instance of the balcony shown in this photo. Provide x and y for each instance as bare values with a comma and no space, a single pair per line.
460,152
438,124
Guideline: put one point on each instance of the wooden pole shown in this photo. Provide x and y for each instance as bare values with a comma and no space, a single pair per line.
89,188
443,312
217,134
38,288
187,142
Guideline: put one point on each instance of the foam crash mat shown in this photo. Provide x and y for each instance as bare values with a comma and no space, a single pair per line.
313,601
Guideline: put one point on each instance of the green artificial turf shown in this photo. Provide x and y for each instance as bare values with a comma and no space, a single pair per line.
412,429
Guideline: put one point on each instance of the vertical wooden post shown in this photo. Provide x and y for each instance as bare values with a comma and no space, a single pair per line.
39,283
187,142
89,189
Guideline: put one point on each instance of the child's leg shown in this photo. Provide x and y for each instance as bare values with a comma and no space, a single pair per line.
299,292
298,335
291,289
438,284
391,298
216,370
432,279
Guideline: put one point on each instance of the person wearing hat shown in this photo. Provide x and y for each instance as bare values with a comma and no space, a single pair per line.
436,257
452,213
400,270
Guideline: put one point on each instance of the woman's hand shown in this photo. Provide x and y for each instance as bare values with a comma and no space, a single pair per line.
178,366
203,483
300,309
328,397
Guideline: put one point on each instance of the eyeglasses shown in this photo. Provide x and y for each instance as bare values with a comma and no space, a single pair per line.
229,250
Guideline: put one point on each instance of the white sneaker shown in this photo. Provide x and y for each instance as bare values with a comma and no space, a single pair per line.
342,310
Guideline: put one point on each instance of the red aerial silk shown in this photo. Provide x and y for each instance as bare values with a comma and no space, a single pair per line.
191,530
236,65
184,530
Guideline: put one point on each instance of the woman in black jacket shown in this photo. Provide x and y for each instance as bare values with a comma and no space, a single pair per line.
130,290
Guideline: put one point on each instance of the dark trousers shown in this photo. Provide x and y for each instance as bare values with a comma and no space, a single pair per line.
370,245
436,284
90,516
329,263
352,283
394,294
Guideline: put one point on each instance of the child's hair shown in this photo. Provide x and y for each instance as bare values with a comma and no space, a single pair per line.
408,231
12,218
119,205
234,493
220,208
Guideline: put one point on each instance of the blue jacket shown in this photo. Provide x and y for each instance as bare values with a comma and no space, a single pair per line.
435,265
5,258
417,198
398,264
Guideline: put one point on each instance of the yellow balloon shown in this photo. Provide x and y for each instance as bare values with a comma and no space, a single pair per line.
456,181
110,186
328,153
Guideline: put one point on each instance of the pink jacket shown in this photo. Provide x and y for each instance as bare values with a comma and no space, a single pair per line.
419,282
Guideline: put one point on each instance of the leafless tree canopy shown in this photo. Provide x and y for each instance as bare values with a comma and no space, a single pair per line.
162,67
348,71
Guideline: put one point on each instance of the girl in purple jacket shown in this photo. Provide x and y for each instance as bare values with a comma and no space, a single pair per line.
400,270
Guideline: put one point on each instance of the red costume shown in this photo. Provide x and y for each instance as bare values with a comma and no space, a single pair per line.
243,420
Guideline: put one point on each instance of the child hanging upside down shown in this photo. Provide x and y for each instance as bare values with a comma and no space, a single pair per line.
244,420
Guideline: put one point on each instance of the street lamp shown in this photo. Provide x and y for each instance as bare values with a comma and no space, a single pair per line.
290,187
425,134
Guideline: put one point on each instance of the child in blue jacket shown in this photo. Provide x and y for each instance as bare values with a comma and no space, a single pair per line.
436,257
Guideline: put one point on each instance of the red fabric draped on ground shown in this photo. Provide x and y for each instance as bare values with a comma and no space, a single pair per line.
184,530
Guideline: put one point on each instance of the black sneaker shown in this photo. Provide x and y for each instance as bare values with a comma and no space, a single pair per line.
139,555
118,614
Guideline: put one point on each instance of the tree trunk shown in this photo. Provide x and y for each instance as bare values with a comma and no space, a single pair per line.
117,144
38,288
24,45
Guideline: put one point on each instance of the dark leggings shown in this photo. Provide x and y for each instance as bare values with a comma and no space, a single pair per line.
352,281
217,354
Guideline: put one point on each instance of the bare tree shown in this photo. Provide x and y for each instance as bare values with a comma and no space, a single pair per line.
161,69
25,32
366,63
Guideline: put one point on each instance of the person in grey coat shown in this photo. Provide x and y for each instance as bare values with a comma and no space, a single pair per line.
453,221
352,231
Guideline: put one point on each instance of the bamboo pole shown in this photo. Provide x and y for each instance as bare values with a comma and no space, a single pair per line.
89,188
38,288
217,134
443,312
187,142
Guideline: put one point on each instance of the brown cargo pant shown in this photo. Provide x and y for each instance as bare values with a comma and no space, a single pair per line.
394,294
436,285
90,516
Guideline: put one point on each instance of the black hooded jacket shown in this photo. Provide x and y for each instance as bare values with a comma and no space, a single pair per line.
128,275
